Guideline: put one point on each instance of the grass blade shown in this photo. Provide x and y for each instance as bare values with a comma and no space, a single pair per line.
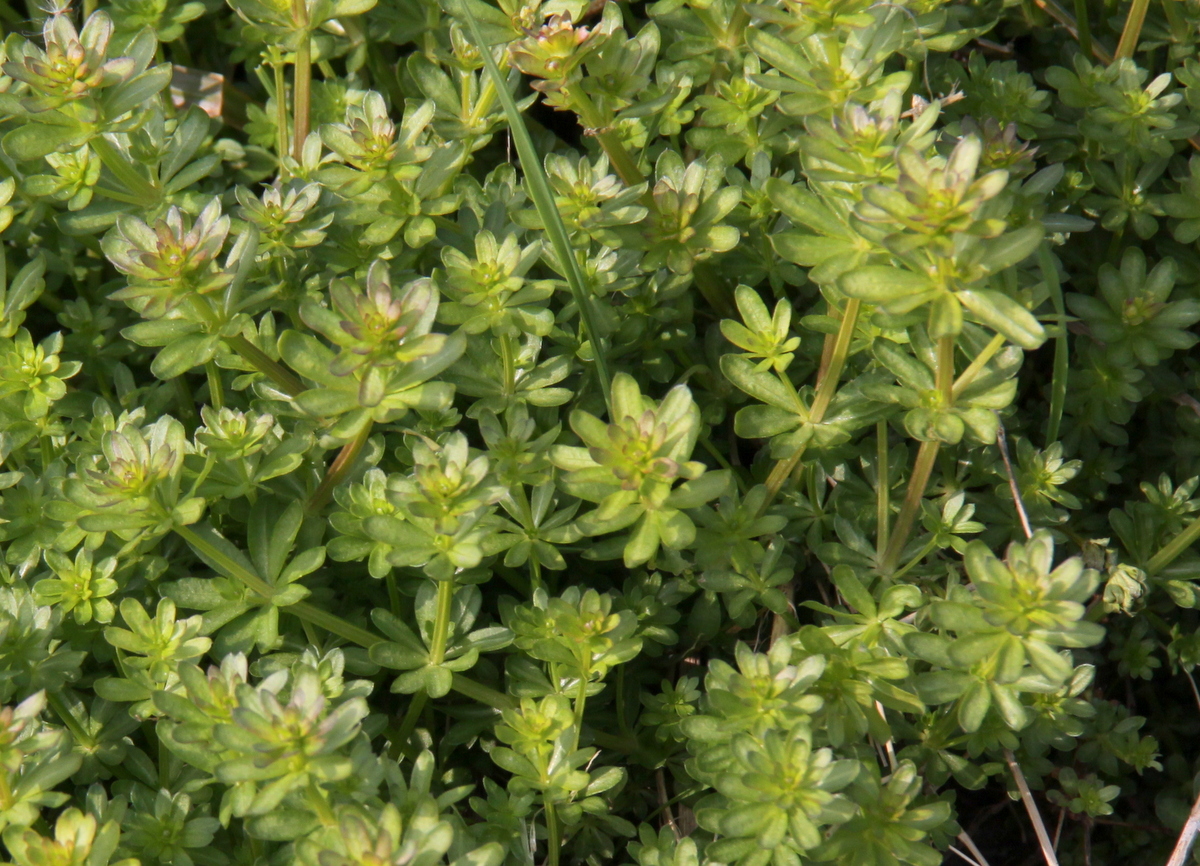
543,199
1058,385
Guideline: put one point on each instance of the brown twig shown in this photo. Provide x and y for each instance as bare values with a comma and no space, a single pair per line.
966,839
1002,442
1035,817
1187,837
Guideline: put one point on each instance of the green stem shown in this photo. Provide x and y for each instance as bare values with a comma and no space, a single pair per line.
281,118
115,161
338,470
509,364
553,837
301,80
482,694
265,364
316,799
826,389
1132,31
1085,30
912,563
1174,548
441,625
596,124
409,722
922,469
216,391
973,370
437,655
580,702
1058,385
883,487
543,197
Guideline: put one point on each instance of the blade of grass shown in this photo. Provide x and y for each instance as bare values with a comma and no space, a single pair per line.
539,190
1058,385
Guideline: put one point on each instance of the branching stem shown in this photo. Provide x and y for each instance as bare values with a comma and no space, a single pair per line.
338,470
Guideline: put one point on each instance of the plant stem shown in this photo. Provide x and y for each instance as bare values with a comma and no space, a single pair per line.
1058,385
281,118
1173,548
973,370
265,364
543,197
826,388
1132,30
1085,30
912,563
316,799
115,161
883,487
441,625
338,470
480,693
508,364
301,80
595,124
553,838
580,702
216,392
1031,808
922,469
1187,837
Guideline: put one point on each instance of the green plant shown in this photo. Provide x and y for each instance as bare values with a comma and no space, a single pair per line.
684,434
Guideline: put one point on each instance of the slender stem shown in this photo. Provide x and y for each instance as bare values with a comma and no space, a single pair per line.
338,470
393,593
441,625
595,124
543,197
973,848
1085,30
922,469
973,370
333,624
1058,385
216,392
826,388
115,161
912,563
580,702
883,487
485,695
316,799
553,837
509,365
265,364
1031,808
945,369
1132,30
415,707
1187,837
1014,488
301,79
1173,548
281,114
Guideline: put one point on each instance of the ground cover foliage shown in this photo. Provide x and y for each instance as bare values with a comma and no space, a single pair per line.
696,432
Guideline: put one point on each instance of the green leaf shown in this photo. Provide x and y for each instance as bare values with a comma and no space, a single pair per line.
1004,316
31,140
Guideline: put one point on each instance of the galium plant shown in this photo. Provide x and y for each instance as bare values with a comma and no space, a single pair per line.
685,434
